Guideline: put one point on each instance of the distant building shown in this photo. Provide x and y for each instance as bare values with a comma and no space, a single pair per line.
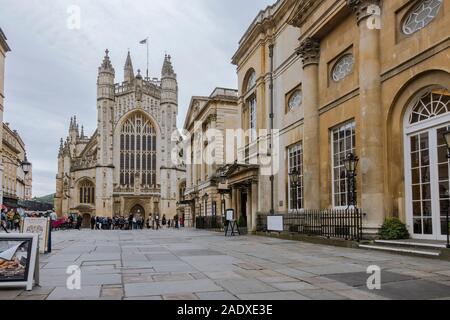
125,167
4,48
213,114
17,178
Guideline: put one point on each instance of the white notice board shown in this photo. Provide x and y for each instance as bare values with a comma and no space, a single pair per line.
275,223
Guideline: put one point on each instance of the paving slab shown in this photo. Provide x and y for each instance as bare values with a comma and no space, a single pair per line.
86,293
245,286
171,287
287,295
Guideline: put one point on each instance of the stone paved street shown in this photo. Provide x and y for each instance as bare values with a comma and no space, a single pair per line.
192,265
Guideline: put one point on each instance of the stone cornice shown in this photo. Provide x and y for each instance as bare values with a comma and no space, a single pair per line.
264,21
309,50
3,42
302,11
361,7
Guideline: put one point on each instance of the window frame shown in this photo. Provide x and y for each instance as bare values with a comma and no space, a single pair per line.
301,194
351,123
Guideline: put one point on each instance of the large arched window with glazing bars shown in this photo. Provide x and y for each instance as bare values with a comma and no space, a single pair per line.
87,192
138,151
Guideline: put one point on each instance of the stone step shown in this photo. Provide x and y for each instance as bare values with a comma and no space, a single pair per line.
396,249
412,244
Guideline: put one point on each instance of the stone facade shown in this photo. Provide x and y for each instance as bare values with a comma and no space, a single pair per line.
350,76
4,49
126,166
17,184
205,125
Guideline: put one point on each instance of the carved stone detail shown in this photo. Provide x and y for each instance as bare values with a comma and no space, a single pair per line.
362,8
309,50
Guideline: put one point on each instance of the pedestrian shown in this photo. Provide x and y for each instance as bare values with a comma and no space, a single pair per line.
157,221
164,221
79,221
3,223
177,226
10,219
130,222
16,221
92,223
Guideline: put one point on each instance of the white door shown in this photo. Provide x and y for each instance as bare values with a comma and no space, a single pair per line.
427,166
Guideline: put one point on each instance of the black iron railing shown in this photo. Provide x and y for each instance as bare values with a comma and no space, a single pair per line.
210,223
339,224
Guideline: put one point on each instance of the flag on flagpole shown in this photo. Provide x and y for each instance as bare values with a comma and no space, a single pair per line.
143,41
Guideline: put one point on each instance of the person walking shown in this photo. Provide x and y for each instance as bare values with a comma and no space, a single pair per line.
3,222
16,221
92,223
157,221
164,221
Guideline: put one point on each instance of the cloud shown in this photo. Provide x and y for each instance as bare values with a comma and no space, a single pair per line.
51,72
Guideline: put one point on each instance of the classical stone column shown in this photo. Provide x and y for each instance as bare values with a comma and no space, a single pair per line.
254,200
371,124
249,209
309,50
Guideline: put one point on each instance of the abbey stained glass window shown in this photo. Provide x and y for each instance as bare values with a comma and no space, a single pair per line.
87,192
138,151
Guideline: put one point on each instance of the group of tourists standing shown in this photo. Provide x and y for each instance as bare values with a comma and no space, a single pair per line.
133,222
10,220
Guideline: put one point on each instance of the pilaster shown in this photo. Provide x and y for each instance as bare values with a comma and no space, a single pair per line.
309,51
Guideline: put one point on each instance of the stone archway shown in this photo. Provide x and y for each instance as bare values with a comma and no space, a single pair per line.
138,211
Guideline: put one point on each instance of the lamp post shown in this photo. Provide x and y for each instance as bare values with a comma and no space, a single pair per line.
447,141
294,176
351,164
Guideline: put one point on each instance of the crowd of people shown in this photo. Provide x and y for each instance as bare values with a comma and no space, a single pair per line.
10,219
133,222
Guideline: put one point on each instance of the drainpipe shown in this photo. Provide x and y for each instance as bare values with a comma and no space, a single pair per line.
272,178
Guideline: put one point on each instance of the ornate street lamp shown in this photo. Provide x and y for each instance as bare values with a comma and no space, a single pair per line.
294,177
447,141
26,165
351,164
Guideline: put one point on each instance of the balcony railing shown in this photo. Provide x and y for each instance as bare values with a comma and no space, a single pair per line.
337,224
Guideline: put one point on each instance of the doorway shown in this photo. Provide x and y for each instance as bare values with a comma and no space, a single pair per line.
243,216
138,212
427,166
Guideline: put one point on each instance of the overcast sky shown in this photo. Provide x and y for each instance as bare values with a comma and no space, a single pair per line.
51,72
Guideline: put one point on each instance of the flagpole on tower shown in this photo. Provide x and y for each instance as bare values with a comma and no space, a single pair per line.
145,41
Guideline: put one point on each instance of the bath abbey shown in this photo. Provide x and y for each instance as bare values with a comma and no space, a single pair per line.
125,167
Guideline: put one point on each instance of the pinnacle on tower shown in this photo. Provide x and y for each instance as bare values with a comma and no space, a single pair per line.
82,132
106,65
61,146
128,69
167,69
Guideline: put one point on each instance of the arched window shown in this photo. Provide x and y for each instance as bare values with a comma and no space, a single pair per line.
250,80
431,104
295,99
138,151
421,15
87,192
